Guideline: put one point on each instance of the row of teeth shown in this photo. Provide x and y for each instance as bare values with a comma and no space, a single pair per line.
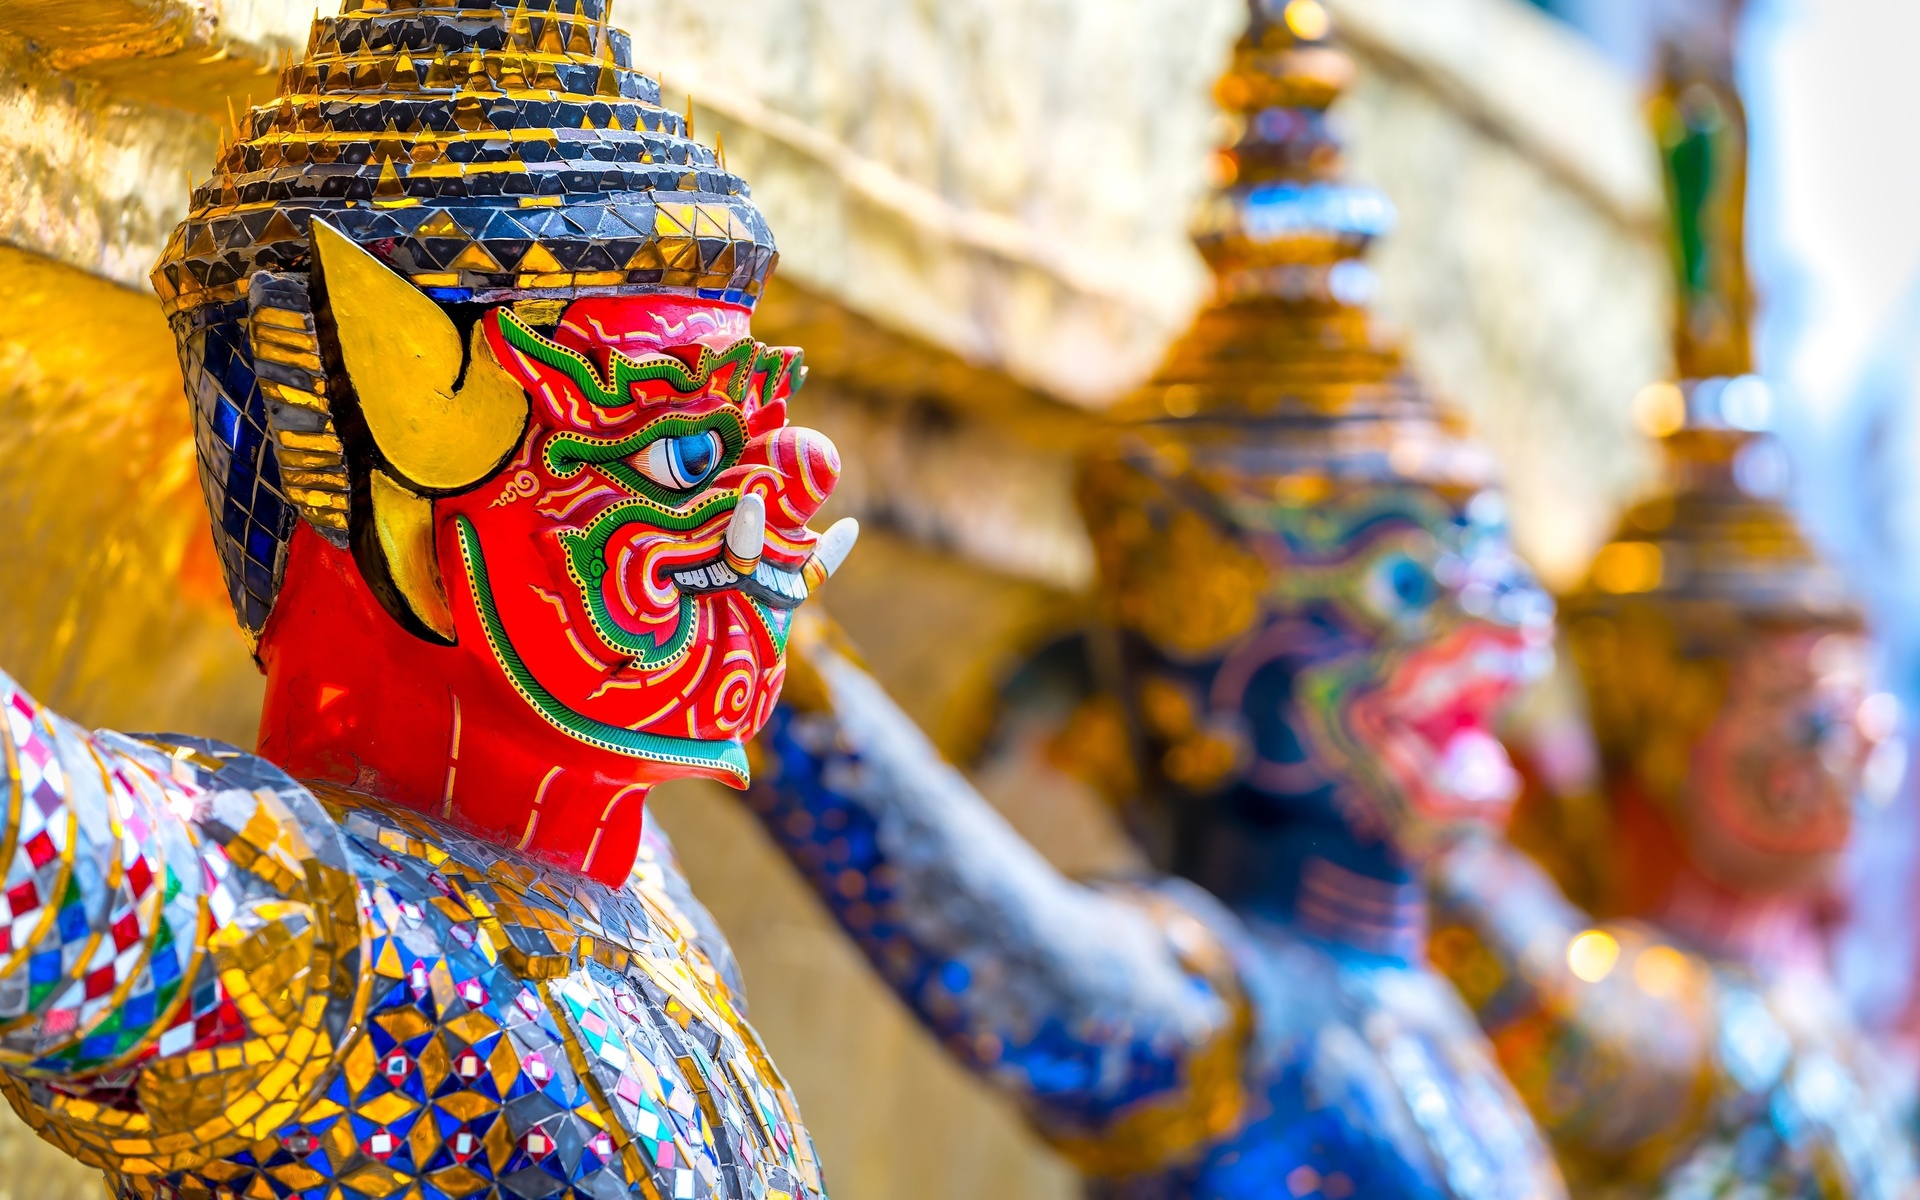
713,575
716,575
747,538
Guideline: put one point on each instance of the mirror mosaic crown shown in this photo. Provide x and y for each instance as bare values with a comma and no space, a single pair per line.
487,151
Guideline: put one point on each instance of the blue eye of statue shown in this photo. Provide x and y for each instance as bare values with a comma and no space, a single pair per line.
1399,584
681,463
1413,583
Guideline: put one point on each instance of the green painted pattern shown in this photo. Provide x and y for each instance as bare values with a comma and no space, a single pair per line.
728,757
749,359
586,552
568,453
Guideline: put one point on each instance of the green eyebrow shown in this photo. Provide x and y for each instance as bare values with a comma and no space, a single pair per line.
748,358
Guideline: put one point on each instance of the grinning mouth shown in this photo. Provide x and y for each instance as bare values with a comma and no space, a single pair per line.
640,569
1429,723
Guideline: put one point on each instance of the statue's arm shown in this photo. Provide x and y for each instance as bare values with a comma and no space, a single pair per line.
1608,1031
180,951
1112,1015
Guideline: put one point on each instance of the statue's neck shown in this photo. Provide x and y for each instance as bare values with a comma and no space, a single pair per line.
356,701
1321,879
1361,910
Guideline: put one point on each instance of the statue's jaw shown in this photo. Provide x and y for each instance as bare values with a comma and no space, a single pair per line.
720,758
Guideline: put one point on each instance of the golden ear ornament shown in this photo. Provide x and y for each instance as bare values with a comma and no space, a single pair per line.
403,530
433,416
443,416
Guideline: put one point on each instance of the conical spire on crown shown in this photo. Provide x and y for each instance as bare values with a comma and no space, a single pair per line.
486,149
1288,341
1720,535
1282,222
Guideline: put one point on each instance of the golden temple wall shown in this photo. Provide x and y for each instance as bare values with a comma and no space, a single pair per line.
981,208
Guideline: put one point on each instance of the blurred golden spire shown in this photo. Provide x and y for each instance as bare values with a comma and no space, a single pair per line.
1288,339
1701,128
1720,535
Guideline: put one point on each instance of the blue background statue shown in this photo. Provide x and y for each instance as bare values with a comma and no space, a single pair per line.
1317,616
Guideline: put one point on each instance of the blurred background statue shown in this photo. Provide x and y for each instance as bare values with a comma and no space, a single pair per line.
1318,617
1699,1047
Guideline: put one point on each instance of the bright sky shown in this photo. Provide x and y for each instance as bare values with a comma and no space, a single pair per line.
1835,106
1834,238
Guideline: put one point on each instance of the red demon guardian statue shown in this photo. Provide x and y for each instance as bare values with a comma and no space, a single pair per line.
507,500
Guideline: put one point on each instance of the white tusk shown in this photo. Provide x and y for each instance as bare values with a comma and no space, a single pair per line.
836,543
831,550
747,534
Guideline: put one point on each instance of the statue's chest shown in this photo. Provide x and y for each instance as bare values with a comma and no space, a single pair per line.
528,1036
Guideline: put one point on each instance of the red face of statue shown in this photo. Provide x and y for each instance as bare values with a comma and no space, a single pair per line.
608,532
1775,776
620,591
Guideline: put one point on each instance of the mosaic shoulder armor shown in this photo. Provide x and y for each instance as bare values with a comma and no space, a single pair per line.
215,982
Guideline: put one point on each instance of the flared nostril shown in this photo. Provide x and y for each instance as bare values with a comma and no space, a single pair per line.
809,466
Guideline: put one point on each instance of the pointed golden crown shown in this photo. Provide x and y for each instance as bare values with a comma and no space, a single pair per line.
1720,536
